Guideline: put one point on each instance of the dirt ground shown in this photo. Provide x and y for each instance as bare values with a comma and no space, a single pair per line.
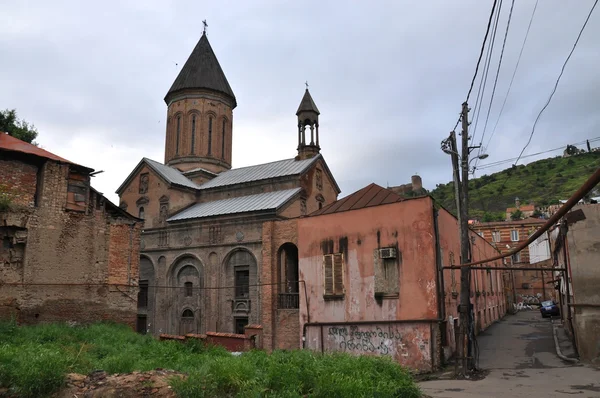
99,384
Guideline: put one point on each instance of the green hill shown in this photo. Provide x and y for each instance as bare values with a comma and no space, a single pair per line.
543,183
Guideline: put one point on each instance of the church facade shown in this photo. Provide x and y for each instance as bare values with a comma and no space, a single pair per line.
208,261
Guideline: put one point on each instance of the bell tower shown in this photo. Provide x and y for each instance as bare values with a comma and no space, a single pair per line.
308,123
200,114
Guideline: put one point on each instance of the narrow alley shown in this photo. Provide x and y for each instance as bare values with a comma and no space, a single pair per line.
519,353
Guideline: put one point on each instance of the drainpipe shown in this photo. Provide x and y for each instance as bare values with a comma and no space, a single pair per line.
438,266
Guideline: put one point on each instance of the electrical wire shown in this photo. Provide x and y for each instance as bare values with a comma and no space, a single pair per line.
555,86
514,73
499,162
487,31
482,49
484,76
512,5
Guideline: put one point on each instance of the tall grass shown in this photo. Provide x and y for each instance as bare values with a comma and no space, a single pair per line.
35,359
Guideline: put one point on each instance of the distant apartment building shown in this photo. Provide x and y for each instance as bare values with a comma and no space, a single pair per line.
507,235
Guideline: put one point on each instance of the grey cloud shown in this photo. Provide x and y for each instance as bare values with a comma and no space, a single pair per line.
389,78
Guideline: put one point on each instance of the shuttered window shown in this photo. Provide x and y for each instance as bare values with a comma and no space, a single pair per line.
333,274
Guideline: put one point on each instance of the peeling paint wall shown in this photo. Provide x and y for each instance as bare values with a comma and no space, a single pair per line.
407,343
406,226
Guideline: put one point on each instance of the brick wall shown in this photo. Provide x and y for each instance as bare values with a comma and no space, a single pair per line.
67,257
18,179
281,327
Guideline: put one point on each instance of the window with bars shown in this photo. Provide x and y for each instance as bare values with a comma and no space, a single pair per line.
333,275
242,283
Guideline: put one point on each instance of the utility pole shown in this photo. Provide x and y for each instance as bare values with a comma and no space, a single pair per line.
465,302
461,188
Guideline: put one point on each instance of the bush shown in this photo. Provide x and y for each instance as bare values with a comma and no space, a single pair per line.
35,359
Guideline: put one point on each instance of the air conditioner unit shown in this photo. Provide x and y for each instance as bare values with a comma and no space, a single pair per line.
388,252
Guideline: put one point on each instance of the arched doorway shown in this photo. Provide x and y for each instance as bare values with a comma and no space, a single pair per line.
187,322
145,298
288,285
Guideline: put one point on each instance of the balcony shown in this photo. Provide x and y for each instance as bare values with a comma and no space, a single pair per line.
288,301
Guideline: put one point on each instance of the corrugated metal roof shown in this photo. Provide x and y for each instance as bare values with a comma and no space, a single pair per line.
171,174
281,168
243,204
371,195
10,143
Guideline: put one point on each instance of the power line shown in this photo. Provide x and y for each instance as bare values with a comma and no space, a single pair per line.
499,162
557,80
512,5
487,31
514,73
555,86
484,75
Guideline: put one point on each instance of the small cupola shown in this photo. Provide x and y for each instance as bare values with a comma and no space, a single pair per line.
308,121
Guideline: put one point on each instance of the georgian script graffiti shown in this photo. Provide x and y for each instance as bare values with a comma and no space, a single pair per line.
383,341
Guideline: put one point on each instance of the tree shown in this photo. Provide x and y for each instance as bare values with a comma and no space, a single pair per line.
20,129
537,214
516,215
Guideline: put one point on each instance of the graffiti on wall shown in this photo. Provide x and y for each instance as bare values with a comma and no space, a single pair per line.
382,340
530,299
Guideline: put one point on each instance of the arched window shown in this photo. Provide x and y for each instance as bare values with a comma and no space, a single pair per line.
141,213
223,140
189,289
178,132
193,132
210,120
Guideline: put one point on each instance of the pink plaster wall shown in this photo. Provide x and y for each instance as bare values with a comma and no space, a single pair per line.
406,225
490,305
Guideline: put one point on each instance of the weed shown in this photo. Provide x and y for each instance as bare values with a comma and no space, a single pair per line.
35,359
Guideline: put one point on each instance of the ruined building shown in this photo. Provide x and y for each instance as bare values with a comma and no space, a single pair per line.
202,265
66,252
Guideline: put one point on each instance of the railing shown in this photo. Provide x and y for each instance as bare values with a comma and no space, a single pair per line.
288,301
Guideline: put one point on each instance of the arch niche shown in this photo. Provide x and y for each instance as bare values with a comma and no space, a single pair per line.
186,279
146,298
241,273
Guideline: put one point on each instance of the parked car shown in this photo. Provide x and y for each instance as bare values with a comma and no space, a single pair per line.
549,308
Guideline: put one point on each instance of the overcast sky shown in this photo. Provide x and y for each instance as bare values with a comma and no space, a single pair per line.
389,78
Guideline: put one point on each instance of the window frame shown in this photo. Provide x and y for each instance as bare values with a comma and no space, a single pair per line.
240,289
337,289
514,232
496,236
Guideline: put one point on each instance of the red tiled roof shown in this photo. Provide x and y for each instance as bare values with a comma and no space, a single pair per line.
529,220
371,195
10,143
522,208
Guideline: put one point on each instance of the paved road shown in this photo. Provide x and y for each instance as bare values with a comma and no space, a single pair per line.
520,355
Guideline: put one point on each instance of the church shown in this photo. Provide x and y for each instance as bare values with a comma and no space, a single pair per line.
205,264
